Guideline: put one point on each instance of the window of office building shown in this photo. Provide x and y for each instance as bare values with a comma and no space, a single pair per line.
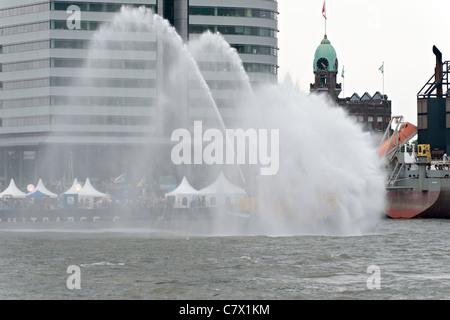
246,12
24,28
106,45
100,120
15,11
260,67
25,65
26,46
25,121
26,102
234,30
102,82
102,101
232,12
255,49
85,25
26,84
223,84
103,63
94,6
214,66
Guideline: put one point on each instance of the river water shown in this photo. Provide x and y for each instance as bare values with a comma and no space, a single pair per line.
401,259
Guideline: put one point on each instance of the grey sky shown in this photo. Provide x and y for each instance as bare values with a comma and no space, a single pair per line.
366,33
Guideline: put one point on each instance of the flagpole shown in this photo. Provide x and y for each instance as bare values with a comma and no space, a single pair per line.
382,71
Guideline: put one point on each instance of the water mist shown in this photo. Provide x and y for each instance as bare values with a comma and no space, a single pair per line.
329,181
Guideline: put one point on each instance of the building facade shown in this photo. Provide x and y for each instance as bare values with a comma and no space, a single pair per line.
325,66
56,125
249,26
372,112
53,123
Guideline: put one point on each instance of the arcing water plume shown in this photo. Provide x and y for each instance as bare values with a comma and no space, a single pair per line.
171,70
139,52
329,171
220,64
329,179
214,55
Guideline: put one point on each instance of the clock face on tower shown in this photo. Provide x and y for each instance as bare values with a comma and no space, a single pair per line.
322,64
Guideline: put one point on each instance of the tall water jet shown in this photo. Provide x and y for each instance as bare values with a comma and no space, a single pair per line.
327,178
330,179
162,71
229,85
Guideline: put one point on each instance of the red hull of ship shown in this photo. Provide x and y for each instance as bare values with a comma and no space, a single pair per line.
418,204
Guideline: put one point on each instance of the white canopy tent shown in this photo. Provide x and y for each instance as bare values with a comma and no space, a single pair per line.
75,188
13,191
221,192
88,191
88,194
184,194
40,187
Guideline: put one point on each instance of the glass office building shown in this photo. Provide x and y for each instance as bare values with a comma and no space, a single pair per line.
49,130
250,26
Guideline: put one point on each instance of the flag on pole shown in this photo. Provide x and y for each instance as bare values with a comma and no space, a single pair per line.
381,68
324,11
342,74
142,183
382,72
120,178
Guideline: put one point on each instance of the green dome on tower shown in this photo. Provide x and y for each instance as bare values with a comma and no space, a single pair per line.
325,58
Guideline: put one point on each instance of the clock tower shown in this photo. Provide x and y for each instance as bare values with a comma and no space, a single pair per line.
325,67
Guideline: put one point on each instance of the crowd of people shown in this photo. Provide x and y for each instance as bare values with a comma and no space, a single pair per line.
7,203
118,196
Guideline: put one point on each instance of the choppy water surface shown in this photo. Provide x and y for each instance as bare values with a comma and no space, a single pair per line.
143,263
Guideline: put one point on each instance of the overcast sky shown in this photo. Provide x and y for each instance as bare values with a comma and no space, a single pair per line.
366,33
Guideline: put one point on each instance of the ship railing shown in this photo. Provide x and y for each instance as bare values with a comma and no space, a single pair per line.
395,173
441,162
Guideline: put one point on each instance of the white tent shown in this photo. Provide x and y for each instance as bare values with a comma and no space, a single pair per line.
41,188
183,194
222,191
73,188
13,191
88,191
88,194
